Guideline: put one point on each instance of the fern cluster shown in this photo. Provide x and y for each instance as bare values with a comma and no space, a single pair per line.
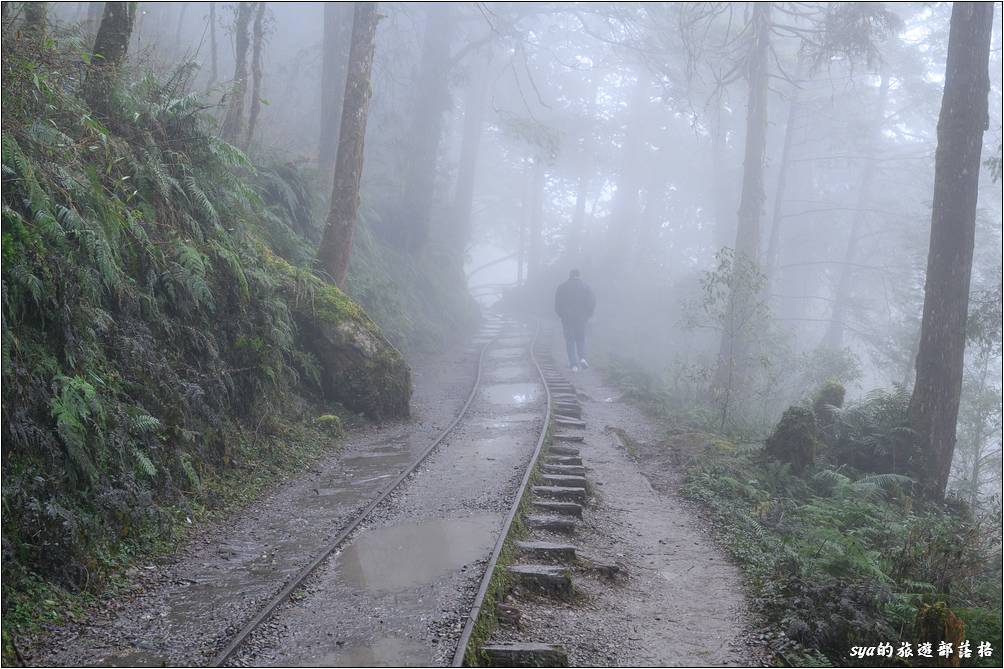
838,557
147,320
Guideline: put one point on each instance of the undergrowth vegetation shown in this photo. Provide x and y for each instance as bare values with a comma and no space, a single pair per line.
843,554
160,358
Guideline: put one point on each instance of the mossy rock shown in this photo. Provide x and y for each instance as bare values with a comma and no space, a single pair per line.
795,439
936,623
359,367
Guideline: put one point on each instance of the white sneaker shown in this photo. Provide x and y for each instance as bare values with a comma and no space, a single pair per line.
575,368
583,364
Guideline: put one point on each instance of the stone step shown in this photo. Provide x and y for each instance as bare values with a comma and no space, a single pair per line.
569,410
571,470
560,492
564,508
564,436
563,460
548,550
547,578
551,523
563,480
559,449
525,655
568,421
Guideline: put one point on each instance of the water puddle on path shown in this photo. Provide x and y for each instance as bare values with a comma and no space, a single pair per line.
516,394
400,557
380,652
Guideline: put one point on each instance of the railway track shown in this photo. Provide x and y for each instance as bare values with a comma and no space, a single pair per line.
489,338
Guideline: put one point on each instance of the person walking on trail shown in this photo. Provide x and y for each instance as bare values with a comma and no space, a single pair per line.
574,303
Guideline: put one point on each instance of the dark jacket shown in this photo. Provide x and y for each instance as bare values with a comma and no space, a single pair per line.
574,301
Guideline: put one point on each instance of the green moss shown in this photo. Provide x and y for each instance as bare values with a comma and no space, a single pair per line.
331,424
794,439
155,366
501,582
936,623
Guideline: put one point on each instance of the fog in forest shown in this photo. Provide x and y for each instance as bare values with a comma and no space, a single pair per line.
611,137
747,188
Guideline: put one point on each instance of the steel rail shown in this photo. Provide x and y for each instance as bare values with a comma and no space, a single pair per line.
479,600
238,639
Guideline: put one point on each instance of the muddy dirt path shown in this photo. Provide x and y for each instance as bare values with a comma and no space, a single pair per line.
675,600
180,610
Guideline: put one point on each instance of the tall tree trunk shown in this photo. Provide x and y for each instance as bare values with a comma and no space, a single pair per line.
256,70
214,71
95,12
624,216
934,406
431,101
733,347
35,15
577,229
180,29
650,220
725,217
233,122
834,336
336,246
474,112
752,198
110,48
337,29
777,215
536,242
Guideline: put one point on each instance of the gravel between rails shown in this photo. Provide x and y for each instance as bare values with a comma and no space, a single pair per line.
399,589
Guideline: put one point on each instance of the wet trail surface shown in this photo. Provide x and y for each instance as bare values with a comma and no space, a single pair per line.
676,599
397,592
182,610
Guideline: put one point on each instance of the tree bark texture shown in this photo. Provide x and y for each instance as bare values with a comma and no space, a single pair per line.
110,48
336,245
623,229
777,214
256,69
95,10
475,101
233,121
337,35
733,348
752,198
934,406
35,16
431,101
180,28
721,192
214,70
536,242
834,337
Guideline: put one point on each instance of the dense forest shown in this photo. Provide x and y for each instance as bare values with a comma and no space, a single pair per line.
231,229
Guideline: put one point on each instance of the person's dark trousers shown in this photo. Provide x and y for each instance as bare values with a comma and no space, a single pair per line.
575,341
